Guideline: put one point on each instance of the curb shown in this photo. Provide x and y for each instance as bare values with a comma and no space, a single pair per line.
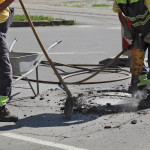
42,23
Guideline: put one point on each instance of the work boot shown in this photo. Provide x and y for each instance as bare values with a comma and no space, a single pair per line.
5,115
138,86
148,84
148,89
142,86
142,81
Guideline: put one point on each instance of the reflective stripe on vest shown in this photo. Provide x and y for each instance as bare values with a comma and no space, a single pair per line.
136,12
138,16
125,1
141,23
143,80
3,100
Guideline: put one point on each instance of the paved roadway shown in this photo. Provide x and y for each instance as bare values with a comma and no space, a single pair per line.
95,38
81,43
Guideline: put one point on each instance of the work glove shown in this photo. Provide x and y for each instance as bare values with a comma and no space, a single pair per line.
147,38
127,33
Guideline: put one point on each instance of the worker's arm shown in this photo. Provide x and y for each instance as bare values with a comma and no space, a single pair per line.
122,19
5,4
124,22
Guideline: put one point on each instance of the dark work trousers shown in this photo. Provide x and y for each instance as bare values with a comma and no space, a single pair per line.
145,71
5,66
148,47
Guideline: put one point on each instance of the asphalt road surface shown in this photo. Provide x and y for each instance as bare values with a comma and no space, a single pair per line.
41,122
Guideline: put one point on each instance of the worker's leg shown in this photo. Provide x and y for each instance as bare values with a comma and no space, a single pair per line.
5,66
5,75
143,76
5,80
148,75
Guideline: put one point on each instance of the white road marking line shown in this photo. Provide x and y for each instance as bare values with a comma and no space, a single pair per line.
114,28
41,142
84,26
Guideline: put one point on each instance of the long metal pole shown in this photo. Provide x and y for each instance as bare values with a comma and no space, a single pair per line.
44,51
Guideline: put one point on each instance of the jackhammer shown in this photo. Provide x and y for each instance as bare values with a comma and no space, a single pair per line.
136,62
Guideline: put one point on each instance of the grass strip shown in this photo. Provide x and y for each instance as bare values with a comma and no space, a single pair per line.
43,18
35,18
101,5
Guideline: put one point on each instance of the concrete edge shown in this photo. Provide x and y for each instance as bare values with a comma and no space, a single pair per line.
42,23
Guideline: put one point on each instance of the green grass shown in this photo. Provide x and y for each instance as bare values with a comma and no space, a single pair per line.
42,18
82,4
34,18
101,5
71,22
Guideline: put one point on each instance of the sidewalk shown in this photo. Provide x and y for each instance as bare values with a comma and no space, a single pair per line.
67,10
60,7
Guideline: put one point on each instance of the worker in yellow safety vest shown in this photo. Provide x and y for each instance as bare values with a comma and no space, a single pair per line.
137,12
6,17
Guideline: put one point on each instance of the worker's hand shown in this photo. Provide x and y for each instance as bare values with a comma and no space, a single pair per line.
147,38
127,33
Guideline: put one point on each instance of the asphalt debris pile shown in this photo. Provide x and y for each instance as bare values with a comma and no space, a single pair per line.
92,101
104,102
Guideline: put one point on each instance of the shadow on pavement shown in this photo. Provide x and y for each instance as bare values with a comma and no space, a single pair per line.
47,120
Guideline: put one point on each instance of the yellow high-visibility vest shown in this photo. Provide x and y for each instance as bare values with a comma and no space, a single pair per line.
117,9
4,14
